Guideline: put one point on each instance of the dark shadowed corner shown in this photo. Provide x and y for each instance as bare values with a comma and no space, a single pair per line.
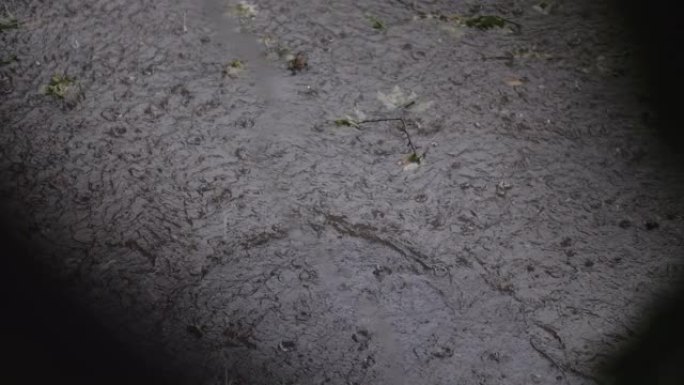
656,27
656,356
655,353
48,336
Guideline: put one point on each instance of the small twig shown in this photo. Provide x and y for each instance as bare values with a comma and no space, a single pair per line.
408,137
402,129
409,104
185,27
378,120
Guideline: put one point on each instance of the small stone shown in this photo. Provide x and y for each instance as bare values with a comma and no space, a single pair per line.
286,346
651,225
502,188
298,63
625,224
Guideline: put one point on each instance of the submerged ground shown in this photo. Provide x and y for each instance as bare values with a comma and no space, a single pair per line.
189,183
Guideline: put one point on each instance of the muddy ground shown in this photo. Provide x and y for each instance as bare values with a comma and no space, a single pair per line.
191,188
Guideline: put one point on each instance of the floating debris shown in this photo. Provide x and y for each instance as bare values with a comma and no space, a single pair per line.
412,162
485,22
9,60
297,63
502,188
59,86
8,23
346,122
246,10
414,158
234,68
286,346
376,23
530,52
514,82
651,225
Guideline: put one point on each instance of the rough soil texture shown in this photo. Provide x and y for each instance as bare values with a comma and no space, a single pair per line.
221,221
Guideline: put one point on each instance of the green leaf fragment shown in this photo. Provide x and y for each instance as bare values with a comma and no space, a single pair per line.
245,9
376,23
9,60
485,22
59,86
6,24
346,122
414,158
234,68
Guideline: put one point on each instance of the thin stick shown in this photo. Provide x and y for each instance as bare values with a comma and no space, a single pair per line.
408,137
402,129
379,120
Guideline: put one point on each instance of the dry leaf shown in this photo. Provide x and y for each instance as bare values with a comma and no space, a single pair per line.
514,82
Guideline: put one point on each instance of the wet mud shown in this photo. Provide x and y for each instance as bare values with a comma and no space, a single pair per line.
206,187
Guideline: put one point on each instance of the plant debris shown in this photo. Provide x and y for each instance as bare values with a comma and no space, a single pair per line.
9,60
502,187
346,122
376,23
246,10
234,68
651,225
298,63
59,86
8,23
236,64
530,52
514,82
485,22
412,160
287,346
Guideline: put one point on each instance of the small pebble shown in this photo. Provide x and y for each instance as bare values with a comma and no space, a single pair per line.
651,225
299,63
625,224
